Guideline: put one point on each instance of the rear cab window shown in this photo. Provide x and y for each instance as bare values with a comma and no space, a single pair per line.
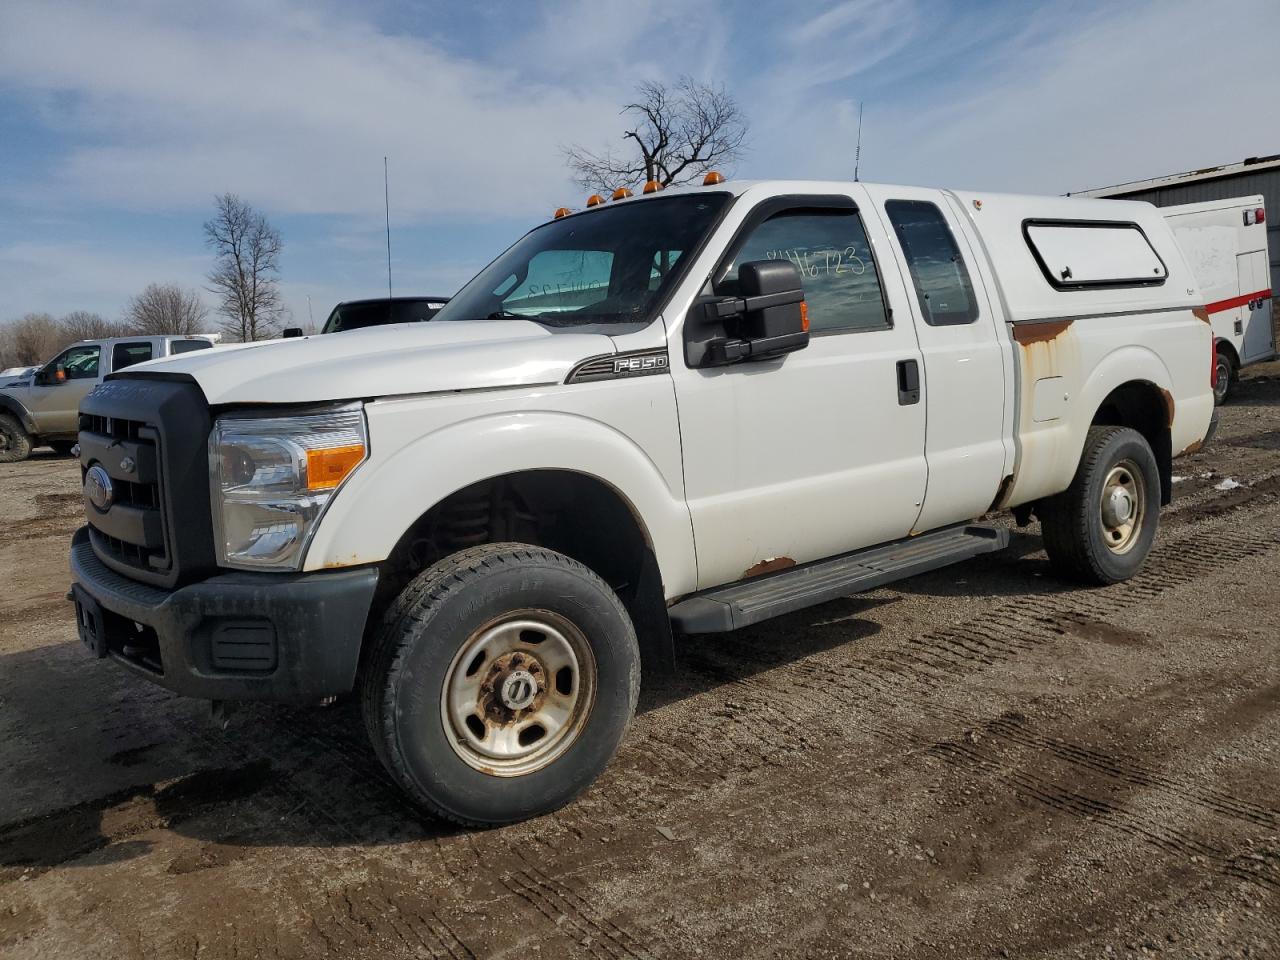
829,247
1083,254
127,354
938,271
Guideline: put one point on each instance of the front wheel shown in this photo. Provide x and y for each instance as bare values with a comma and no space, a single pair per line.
1101,528
15,444
501,683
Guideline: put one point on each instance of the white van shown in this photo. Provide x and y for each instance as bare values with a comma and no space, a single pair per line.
1225,244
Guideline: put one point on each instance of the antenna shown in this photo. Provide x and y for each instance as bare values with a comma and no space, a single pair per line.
310,316
857,154
386,196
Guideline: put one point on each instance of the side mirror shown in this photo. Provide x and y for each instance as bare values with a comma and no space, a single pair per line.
291,332
769,319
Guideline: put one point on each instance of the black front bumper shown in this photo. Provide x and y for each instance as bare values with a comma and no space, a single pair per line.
234,636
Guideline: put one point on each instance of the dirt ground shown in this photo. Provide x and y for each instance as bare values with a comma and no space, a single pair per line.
981,762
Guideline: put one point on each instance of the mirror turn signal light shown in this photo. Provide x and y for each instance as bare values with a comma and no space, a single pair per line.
620,194
328,466
595,200
652,186
562,212
804,317
712,178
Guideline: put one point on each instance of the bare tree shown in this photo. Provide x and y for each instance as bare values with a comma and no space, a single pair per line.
679,133
32,340
166,308
83,325
246,251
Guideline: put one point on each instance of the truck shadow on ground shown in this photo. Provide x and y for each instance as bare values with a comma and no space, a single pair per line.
295,777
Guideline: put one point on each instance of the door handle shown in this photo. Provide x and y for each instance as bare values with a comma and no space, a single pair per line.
908,382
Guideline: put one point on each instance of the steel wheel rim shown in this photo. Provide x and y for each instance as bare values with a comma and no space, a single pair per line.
1222,376
518,693
1123,506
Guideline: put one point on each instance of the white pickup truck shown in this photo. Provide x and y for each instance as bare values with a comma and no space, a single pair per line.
682,412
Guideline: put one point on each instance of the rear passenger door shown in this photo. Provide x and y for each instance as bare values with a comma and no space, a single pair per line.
963,355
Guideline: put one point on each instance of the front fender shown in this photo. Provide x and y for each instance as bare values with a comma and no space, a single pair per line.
12,405
388,493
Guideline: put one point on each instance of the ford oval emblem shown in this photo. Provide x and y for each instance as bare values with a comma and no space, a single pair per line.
97,488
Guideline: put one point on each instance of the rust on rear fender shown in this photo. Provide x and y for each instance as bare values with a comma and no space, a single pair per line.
1169,406
1027,332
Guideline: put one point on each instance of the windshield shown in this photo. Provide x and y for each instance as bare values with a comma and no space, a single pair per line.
606,266
374,313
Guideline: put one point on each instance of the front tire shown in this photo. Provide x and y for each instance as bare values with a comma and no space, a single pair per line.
1101,528
15,444
501,683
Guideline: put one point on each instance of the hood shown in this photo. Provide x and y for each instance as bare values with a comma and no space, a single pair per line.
384,361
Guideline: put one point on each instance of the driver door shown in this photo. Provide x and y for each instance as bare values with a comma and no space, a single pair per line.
55,400
820,451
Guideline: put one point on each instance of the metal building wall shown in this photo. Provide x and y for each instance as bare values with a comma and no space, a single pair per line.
1242,184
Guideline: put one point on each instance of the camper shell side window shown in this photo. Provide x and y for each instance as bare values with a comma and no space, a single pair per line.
1088,254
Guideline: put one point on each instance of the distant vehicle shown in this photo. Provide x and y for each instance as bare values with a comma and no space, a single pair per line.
40,407
357,314
14,373
1225,244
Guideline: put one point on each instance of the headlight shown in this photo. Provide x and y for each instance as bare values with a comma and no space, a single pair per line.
272,479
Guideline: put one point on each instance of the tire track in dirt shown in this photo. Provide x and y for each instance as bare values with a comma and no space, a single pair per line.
564,907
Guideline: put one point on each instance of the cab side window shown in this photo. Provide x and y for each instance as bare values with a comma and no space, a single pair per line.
838,273
937,269
78,363
127,354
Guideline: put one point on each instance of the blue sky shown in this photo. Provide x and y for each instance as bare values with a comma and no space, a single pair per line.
120,121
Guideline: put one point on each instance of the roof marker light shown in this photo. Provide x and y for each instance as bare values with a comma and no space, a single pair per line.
595,200
653,186
620,194
712,178
562,212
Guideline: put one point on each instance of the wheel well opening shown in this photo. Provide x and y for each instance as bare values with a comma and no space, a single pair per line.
1227,348
572,513
1147,409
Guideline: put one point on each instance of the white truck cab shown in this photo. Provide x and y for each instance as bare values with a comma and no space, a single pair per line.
683,412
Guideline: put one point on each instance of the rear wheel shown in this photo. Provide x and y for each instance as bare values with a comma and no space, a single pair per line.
1223,371
501,683
1101,528
15,444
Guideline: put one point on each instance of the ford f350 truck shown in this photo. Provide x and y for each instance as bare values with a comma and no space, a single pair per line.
683,412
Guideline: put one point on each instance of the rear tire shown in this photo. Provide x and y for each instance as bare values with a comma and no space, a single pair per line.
501,683
15,444
1224,372
1101,528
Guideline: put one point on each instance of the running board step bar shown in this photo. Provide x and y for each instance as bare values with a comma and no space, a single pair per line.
751,601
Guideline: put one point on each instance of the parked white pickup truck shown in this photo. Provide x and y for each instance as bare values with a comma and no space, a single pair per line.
694,409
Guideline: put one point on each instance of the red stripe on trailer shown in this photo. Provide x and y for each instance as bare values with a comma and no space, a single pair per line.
1237,301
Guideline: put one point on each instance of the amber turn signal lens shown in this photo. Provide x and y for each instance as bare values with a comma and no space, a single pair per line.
562,212
653,186
329,466
712,178
621,194
595,200
804,316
